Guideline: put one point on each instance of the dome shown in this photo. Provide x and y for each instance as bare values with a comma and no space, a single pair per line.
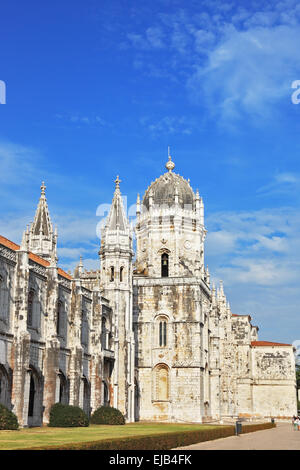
166,187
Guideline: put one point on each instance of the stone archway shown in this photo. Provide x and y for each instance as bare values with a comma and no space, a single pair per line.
86,396
35,398
63,389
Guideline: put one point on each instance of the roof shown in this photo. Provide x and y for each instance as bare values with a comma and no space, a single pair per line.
164,189
37,259
116,218
267,343
13,246
246,315
63,273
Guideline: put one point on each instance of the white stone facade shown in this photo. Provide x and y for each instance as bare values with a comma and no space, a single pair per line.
151,337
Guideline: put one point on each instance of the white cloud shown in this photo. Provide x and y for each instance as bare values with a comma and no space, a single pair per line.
169,125
256,254
79,119
235,62
17,163
281,183
248,71
258,247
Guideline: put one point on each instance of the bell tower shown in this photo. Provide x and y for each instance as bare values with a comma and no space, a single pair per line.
116,279
170,230
171,302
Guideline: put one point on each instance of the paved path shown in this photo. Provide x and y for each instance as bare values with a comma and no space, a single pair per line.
283,437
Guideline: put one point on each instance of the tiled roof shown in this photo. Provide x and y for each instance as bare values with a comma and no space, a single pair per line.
37,259
61,272
5,242
267,343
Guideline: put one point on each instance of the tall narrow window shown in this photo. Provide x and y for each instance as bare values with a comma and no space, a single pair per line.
31,396
59,317
103,334
162,333
84,328
4,297
164,265
112,274
121,274
30,308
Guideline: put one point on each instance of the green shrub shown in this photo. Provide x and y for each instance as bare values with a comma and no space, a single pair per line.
165,441
257,427
67,416
107,415
8,419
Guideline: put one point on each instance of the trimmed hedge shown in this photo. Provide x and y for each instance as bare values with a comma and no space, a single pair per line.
257,427
66,416
8,419
165,441
107,415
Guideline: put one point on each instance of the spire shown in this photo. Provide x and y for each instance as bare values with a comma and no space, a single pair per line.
42,222
213,294
116,217
24,242
138,205
41,238
43,188
170,165
118,181
80,265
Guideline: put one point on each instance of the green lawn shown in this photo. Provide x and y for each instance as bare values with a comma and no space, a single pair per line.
36,437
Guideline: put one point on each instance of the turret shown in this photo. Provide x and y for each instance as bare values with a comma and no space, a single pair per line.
116,280
40,238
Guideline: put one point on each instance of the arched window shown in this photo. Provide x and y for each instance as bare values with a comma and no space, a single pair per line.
161,377
112,274
63,389
164,265
103,334
5,388
106,401
4,296
84,328
59,317
121,273
162,333
30,308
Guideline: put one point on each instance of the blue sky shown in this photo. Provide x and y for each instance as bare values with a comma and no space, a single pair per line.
100,88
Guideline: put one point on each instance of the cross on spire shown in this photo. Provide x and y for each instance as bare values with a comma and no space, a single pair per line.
170,165
43,187
118,181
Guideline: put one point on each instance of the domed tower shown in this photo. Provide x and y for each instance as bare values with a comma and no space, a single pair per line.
171,303
170,230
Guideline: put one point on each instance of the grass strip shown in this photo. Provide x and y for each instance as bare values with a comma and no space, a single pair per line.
159,441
